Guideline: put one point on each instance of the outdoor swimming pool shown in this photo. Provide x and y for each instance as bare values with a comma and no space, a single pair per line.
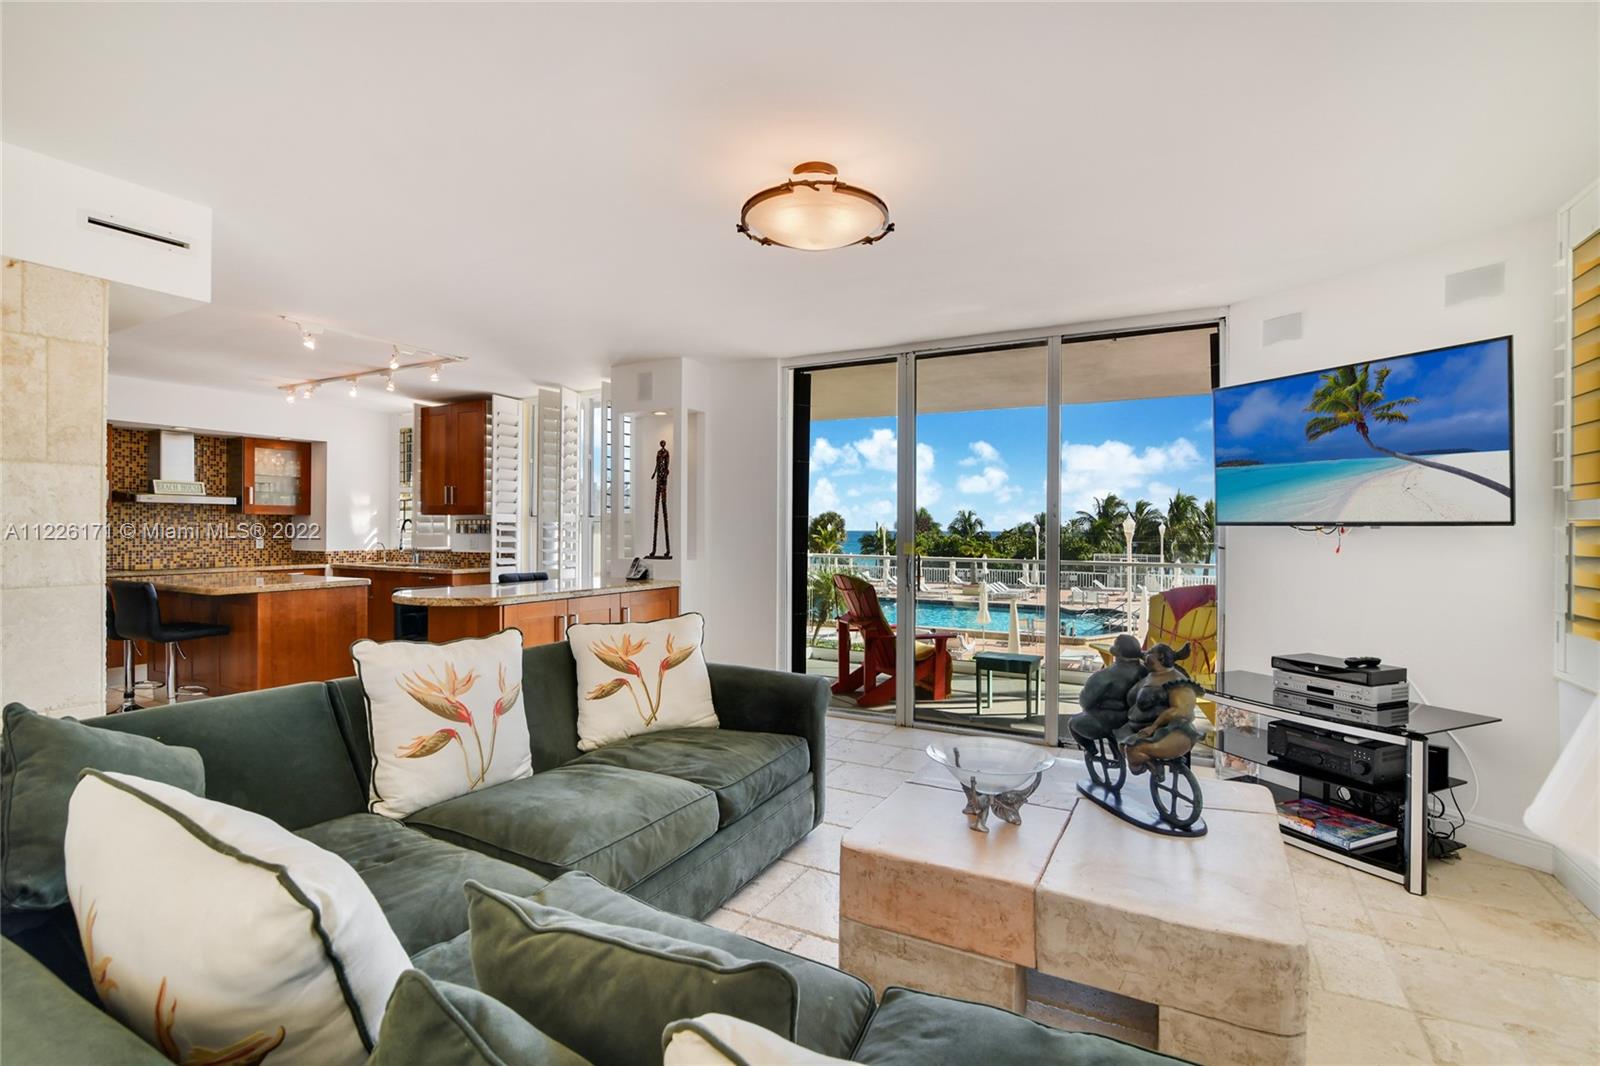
941,614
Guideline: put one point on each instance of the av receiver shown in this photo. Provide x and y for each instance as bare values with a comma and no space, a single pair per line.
1314,749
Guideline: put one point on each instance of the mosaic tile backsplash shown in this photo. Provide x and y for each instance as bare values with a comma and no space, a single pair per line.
168,536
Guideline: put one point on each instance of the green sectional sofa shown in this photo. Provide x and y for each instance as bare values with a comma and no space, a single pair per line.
679,819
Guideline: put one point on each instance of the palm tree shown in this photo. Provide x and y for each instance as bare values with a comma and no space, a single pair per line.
823,601
966,524
1102,526
1145,515
826,533
1188,532
1349,397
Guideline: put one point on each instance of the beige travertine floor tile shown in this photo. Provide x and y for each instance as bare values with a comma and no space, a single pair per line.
1574,905
910,759
1341,1030
1551,1053
846,808
911,738
1302,862
831,765
1422,928
1353,964
819,849
764,888
1493,884
839,728
777,936
723,918
818,949
1459,1044
810,904
866,752
872,780
1519,999
1544,943
1331,901
1381,895
872,730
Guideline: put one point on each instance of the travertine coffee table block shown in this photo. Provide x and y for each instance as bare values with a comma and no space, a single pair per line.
884,959
1208,926
914,867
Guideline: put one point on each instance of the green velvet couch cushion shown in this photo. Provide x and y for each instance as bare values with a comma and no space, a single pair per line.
834,1006
416,879
743,769
449,961
40,760
915,1029
47,1022
607,991
443,1024
278,752
619,825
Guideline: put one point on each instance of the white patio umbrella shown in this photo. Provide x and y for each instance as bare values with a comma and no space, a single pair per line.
1014,638
983,604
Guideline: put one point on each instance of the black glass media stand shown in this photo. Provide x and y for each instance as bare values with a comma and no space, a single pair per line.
1401,802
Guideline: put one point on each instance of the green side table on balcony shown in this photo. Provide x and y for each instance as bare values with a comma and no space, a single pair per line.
988,663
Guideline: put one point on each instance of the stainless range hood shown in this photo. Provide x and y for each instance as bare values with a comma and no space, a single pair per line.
172,472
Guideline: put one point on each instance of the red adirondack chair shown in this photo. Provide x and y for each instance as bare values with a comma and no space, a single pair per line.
874,678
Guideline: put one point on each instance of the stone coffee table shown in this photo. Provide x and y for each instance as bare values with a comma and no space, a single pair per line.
1206,929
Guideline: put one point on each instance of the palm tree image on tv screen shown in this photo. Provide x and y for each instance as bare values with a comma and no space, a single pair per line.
1417,439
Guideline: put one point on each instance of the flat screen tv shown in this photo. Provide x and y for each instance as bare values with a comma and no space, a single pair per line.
1420,439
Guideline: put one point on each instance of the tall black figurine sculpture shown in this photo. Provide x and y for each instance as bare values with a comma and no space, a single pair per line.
1152,731
660,522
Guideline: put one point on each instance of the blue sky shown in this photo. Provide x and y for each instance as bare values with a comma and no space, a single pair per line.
1463,408
993,462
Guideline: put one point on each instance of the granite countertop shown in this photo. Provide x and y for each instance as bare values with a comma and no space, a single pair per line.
415,568
245,582
522,592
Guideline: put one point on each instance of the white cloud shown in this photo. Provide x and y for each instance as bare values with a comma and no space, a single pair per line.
1160,493
1204,425
877,450
993,481
1258,410
823,497
843,459
1092,470
982,452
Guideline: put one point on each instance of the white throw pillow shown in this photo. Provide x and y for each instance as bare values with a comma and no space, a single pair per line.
444,719
637,676
209,929
722,1040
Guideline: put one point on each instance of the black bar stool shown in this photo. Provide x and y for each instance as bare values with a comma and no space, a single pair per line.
129,686
513,577
138,617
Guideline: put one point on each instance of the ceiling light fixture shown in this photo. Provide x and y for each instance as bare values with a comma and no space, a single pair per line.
388,382
307,389
394,358
288,394
814,211
433,375
659,414
354,388
308,334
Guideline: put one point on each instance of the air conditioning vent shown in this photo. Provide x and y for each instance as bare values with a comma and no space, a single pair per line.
133,231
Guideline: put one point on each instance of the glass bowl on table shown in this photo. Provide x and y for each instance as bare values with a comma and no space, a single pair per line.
995,774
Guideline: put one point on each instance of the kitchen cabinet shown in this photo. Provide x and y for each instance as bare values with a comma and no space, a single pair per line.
386,582
545,621
273,476
454,443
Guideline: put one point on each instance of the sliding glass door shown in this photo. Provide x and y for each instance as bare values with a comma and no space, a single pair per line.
983,522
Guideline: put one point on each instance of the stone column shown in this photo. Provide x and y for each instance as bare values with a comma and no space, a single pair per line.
52,475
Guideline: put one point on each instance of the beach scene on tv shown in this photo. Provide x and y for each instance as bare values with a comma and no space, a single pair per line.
1417,438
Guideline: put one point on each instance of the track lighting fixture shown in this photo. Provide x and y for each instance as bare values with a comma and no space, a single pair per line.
388,382
433,375
307,389
394,358
288,394
415,359
354,390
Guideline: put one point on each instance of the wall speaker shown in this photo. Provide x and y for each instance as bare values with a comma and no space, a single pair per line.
1283,328
1474,284
647,385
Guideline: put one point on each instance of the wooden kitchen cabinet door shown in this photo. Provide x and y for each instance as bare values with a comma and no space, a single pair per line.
595,609
541,623
435,458
274,476
469,435
649,605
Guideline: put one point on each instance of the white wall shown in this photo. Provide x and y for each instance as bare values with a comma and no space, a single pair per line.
351,473
1467,610
742,561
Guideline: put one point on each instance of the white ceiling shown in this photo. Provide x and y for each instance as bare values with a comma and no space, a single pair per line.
549,189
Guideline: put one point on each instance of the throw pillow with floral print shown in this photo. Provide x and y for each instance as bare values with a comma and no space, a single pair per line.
635,677
444,719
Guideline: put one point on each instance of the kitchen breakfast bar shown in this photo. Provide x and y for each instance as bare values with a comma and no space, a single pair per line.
542,610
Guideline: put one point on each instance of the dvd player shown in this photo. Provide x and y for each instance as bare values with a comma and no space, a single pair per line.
1354,671
1381,697
1392,717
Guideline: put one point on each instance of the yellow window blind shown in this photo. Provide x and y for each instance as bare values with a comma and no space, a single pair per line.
1585,442
1583,612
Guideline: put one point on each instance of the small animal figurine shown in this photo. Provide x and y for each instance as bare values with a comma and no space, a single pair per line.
1161,711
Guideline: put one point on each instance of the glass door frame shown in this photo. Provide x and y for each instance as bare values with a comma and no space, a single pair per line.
906,488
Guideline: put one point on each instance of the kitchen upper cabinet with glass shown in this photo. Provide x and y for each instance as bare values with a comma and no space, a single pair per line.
274,476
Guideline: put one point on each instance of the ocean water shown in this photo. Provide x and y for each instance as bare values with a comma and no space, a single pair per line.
1299,493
